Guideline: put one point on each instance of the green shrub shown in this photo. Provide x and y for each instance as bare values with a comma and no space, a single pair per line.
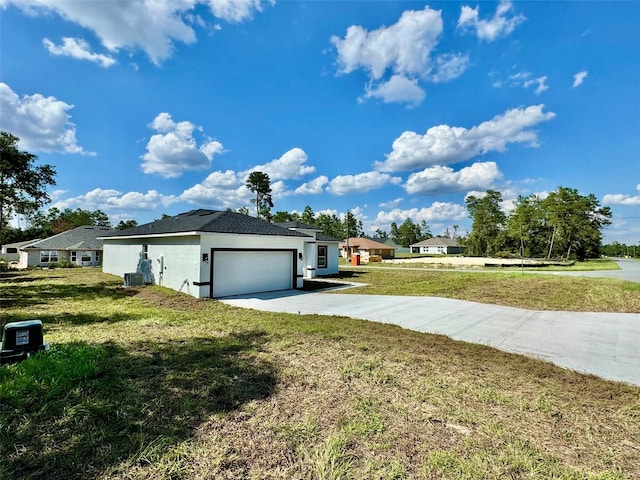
62,264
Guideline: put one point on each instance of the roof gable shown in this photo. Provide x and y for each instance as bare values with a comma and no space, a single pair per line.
208,221
20,244
366,244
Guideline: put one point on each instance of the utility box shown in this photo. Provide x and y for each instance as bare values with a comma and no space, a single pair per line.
20,340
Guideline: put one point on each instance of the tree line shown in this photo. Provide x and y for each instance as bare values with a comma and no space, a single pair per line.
563,225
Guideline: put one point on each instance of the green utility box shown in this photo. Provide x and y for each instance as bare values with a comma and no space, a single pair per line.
20,340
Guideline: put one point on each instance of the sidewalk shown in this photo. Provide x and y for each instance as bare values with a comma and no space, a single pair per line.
602,344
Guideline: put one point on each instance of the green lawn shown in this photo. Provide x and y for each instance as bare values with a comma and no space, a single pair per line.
150,384
414,261
511,288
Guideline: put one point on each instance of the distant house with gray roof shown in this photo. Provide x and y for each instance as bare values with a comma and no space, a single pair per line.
438,245
399,248
80,246
10,252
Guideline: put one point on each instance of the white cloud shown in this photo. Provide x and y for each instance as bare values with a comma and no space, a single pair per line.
219,190
500,25
404,47
174,150
447,67
391,203
443,144
99,199
235,10
228,189
436,212
524,80
540,82
396,57
42,123
363,182
78,48
314,187
154,26
579,77
398,89
290,165
622,199
439,179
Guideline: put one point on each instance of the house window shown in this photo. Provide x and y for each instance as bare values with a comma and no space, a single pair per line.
322,256
86,257
12,250
97,257
145,251
49,256
74,256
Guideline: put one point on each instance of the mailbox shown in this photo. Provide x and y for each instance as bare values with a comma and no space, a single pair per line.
21,339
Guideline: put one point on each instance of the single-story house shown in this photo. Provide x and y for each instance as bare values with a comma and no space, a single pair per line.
80,246
438,245
365,247
10,252
210,254
391,243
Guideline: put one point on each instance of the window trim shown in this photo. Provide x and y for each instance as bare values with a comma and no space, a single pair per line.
322,258
47,255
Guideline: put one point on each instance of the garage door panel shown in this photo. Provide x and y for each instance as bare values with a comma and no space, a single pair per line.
240,272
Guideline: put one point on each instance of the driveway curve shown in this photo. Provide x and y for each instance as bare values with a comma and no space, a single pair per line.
602,344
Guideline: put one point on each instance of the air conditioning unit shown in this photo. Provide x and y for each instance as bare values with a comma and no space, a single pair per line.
133,279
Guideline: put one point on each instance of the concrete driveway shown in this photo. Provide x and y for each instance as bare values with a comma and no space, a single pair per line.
602,344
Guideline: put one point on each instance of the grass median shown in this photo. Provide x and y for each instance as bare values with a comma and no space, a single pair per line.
515,289
150,383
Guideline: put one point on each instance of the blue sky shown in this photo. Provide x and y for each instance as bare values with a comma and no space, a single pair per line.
387,109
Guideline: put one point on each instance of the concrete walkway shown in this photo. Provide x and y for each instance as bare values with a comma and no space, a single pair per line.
602,344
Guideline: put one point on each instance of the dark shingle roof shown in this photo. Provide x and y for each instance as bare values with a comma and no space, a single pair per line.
326,238
81,238
211,221
299,225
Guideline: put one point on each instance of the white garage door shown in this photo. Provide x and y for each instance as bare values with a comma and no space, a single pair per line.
238,272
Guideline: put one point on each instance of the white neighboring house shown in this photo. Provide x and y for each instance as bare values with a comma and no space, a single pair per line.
211,254
80,246
437,245
10,252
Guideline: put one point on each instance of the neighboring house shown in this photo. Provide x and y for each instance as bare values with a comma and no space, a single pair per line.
437,245
391,243
11,251
365,247
208,253
80,246
324,249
